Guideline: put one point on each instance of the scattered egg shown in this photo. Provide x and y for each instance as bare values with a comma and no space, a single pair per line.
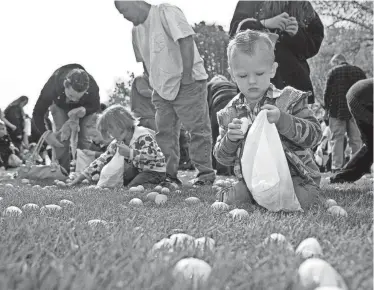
9,185
30,206
136,202
12,211
37,186
218,205
239,214
181,240
330,203
165,190
97,222
178,191
162,244
134,189
308,248
152,195
85,181
192,270
338,211
140,188
158,188
161,199
25,181
49,208
66,202
315,272
192,200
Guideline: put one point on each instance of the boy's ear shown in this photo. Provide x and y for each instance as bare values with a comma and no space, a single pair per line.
274,69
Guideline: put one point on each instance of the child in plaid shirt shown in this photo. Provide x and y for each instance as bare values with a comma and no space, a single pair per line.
144,161
251,61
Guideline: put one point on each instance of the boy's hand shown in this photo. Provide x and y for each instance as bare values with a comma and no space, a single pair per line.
273,113
292,26
278,22
187,79
77,180
234,133
124,150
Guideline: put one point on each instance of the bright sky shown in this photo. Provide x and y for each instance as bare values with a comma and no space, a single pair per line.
39,36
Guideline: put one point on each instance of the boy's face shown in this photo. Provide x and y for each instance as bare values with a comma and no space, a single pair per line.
252,73
3,131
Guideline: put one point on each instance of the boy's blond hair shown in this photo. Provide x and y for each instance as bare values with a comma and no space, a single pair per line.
116,115
248,42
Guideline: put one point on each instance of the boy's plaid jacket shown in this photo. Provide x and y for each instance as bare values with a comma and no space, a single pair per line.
298,129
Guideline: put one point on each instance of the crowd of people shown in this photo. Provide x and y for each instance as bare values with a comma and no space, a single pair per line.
179,120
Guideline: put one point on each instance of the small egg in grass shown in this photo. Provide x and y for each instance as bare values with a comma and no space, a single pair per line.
152,195
308,248
133,189
165,190
136,202
330,202
9,185
192,200
181,240
239,214
161,199
97,222
218,205
25,181
192,270
66,202
85,181
158,188
12,211
337,211
49,208
30,206
140,188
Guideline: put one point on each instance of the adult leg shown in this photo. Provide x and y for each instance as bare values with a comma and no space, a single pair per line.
354,136
167,136
192,109
59,118
338,129
360,102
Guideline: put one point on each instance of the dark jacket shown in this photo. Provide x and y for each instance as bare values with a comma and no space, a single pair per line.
15,116
54,92
291,53
339,80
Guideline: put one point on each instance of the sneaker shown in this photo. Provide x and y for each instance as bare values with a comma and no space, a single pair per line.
199,183
172,182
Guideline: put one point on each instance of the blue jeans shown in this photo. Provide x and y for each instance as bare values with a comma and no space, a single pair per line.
59,118
190,107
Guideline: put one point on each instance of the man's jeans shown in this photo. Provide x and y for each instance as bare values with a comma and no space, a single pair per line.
338,129
85,124
191,108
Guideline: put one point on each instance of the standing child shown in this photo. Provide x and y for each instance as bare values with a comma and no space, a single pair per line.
8,158
144,161
252,65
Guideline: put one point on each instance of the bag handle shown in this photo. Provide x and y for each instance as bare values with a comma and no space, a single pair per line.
39,147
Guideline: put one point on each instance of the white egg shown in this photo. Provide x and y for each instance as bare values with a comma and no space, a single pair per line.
92,186
218,205
50,208
152,195
308,248
66,202
25,181
239,214
68,180
315,272
134,189
192,200
161,199
279,239
85,181
136,202
97,222
37,186
12,211
56,181
205,243
192,270
158,188
165,190
162,244
178,191
30,206
9,185
174,185
337,211
61,184
181,240
140,188
330,203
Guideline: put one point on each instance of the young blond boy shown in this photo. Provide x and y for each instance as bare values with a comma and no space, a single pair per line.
252,65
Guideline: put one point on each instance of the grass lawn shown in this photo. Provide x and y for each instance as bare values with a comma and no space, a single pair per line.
61,251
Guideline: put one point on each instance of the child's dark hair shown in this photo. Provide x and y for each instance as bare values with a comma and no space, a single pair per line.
78,79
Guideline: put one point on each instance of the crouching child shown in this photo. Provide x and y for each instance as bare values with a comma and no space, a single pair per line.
144,161
252,65
8,157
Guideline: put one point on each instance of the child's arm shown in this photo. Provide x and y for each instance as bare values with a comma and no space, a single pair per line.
100,162
302,127
146,149
225,149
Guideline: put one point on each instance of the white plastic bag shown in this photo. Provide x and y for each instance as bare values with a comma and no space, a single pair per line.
83,160
112,174
265,168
